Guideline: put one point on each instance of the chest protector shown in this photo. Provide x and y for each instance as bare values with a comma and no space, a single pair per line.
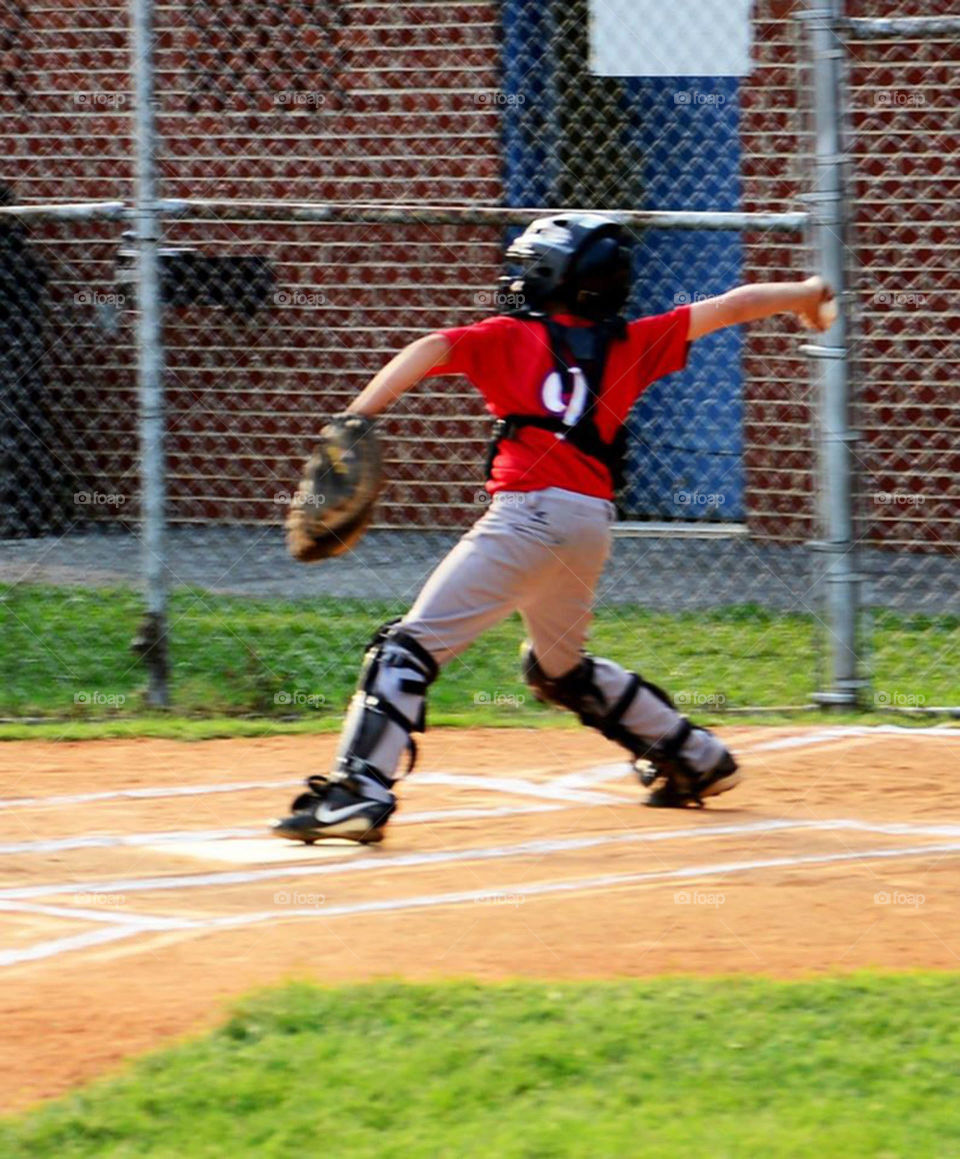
586,348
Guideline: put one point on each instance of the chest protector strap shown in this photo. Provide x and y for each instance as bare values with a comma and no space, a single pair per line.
585,347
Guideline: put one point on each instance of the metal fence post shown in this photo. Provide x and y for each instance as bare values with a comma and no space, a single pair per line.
834,436
151,642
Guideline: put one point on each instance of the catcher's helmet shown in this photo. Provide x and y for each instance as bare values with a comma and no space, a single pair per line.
580,260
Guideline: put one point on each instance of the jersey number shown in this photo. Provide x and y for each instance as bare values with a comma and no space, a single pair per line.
571,406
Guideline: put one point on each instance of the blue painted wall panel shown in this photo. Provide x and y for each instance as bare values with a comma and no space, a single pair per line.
684,135
688,429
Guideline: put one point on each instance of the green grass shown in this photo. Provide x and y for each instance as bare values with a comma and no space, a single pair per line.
65,654
674,1068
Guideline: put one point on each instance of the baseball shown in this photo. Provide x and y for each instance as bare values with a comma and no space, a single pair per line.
827,313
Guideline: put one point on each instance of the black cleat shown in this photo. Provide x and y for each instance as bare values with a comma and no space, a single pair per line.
336,808
680,787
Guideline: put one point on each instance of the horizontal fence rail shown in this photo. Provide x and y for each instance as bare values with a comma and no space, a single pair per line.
402,214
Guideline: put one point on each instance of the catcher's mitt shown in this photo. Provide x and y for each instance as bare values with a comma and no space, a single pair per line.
341,481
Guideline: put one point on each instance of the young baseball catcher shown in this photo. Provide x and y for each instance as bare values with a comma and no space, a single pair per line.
561,375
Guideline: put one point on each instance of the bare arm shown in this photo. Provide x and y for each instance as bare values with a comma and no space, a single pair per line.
400,374
763,300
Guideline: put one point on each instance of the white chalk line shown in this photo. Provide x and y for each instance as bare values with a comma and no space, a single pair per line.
851,732
546,790
129,925
595,775
145,794
175,836
582,779
565,787
58,946
514,785
601,773
113,840
165,836
61,946
104,917
477,814
379,862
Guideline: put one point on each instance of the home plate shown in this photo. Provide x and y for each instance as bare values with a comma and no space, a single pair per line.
258,850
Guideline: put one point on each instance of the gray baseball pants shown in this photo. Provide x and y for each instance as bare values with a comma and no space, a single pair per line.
540,553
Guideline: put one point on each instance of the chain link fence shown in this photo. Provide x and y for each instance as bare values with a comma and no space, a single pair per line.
903,134
336,180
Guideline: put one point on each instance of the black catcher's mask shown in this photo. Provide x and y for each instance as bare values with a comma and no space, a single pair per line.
579,260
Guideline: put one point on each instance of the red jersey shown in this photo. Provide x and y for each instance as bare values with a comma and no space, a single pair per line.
509,360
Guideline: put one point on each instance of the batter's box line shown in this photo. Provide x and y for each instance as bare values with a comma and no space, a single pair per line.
492,784
173,836
560,785
536,848
59,946
539,848
101,917
430,901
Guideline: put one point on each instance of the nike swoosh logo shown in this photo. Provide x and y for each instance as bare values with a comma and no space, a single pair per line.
328,816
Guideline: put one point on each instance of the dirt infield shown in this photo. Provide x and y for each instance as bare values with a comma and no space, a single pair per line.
138,891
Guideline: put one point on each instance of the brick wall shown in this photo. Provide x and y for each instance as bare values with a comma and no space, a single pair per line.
776,148
346,102
904,137
904,144
361,102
